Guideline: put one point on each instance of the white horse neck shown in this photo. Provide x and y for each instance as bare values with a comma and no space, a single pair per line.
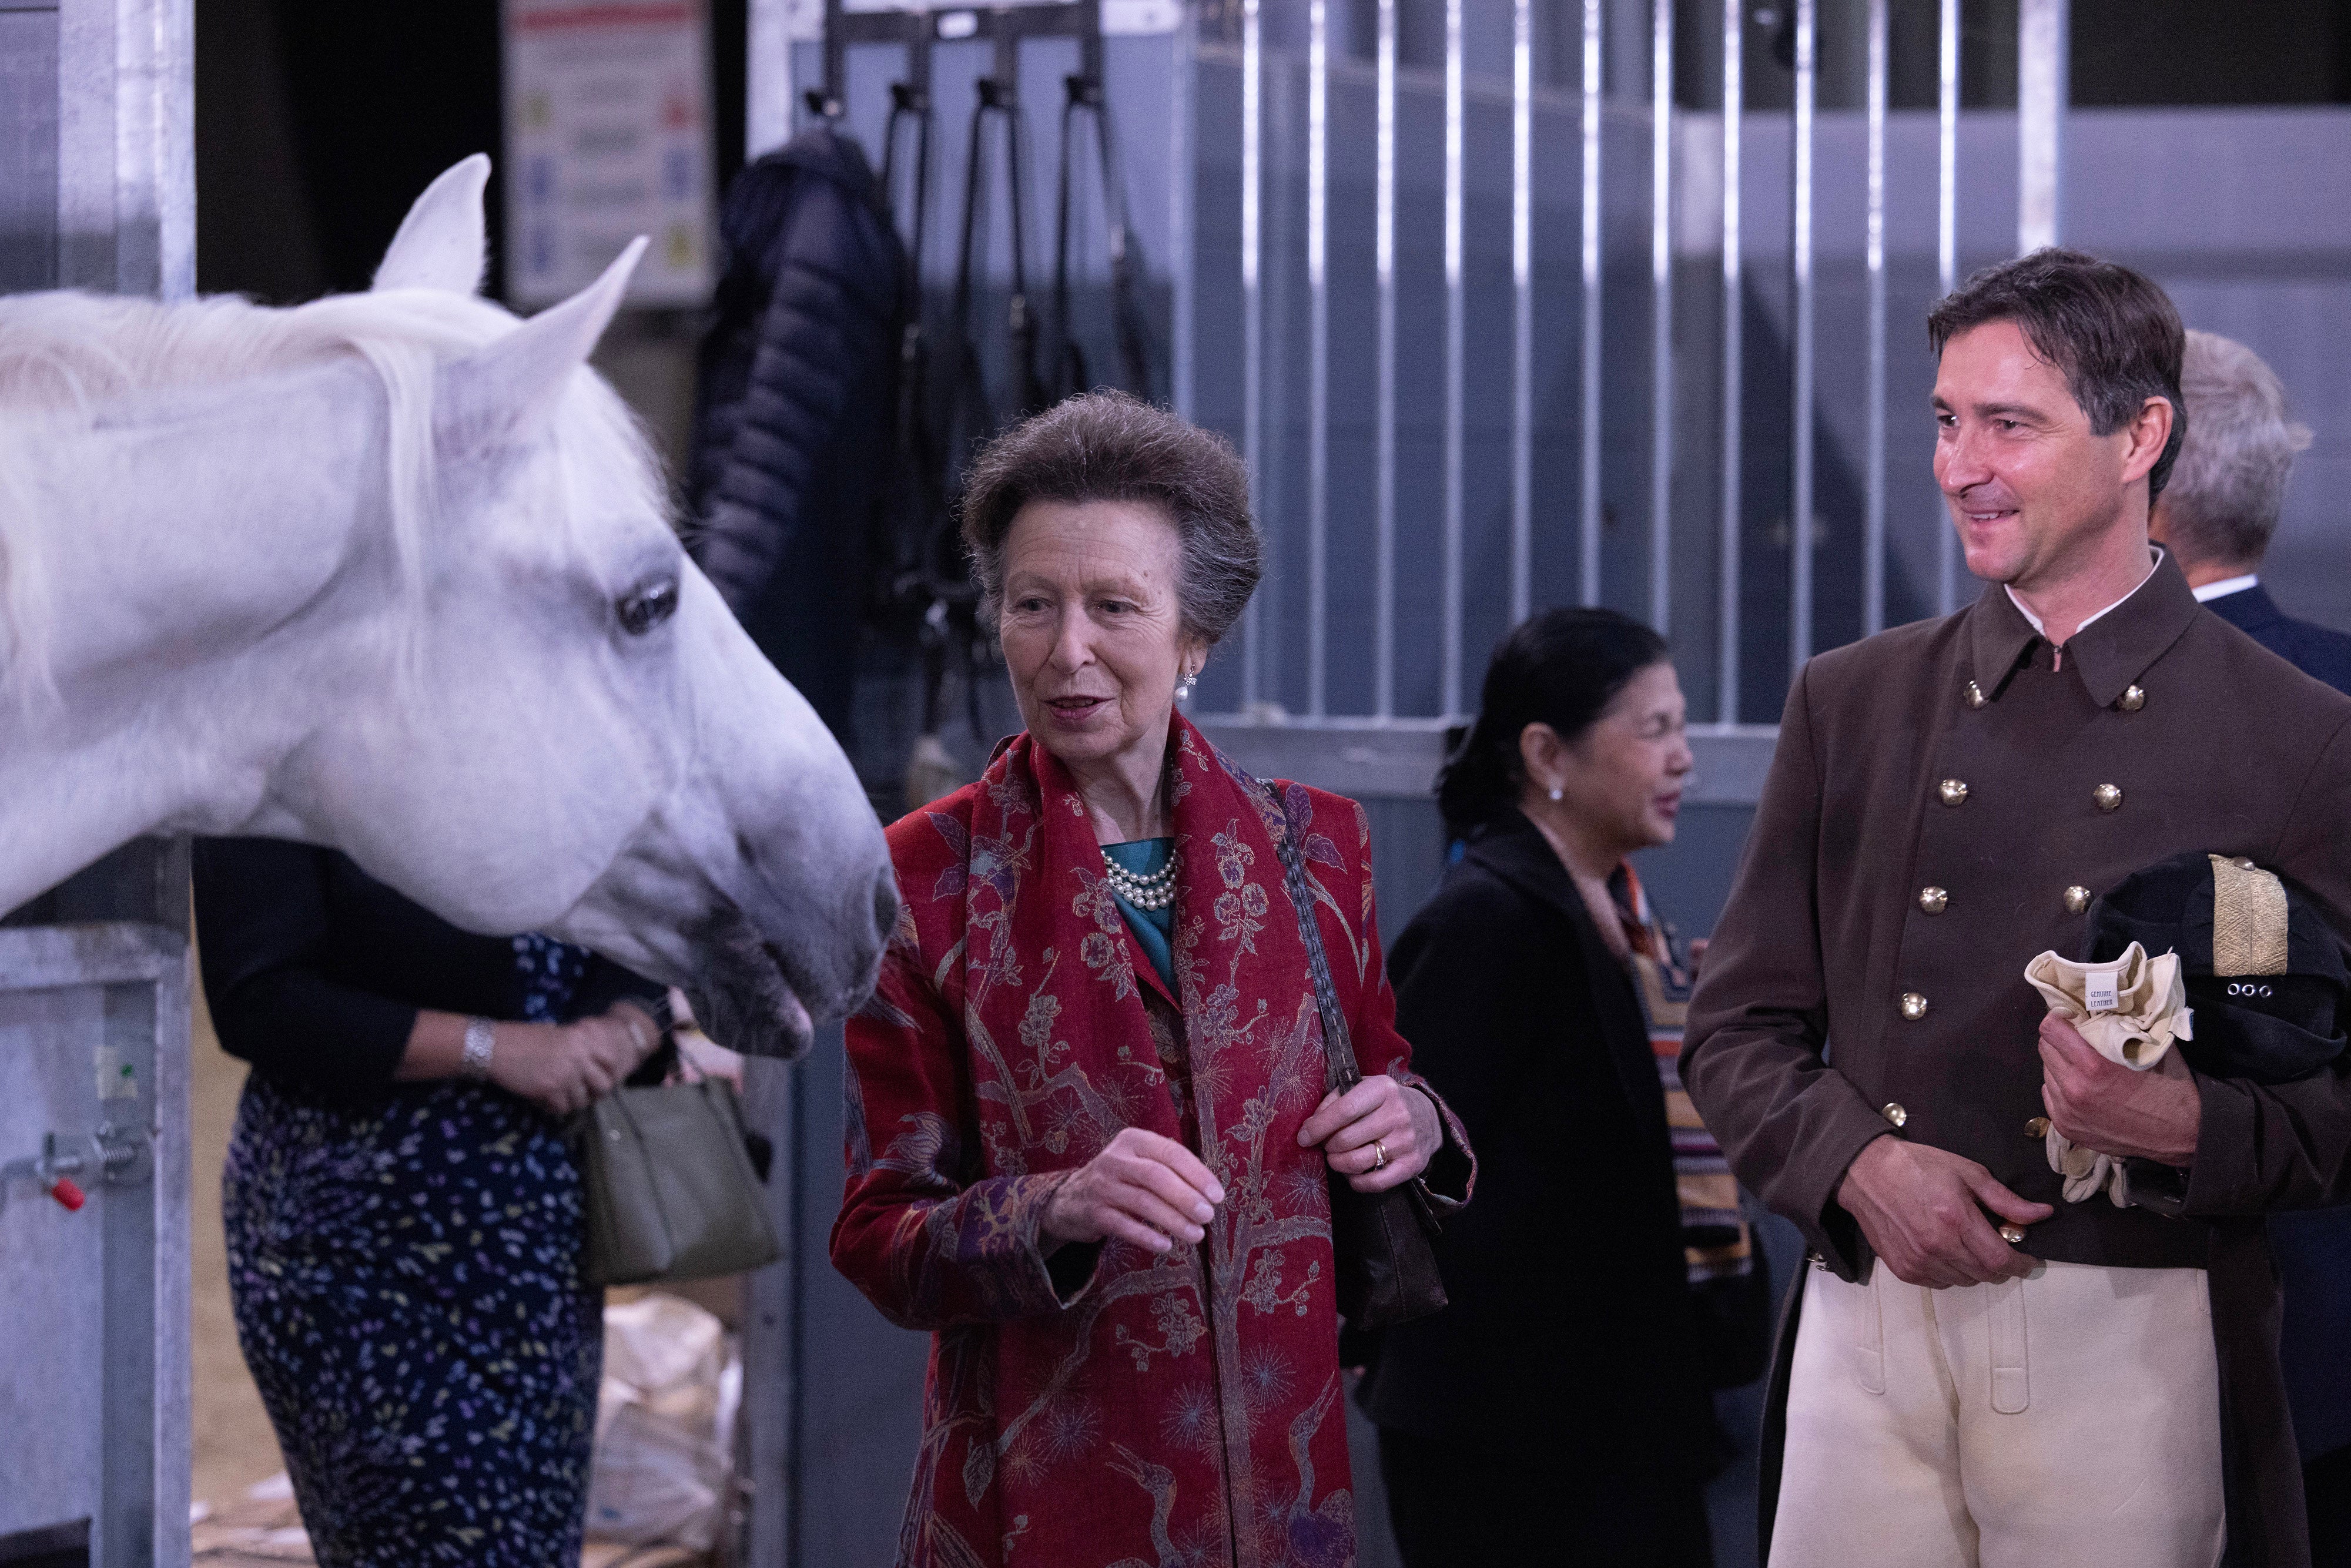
224,574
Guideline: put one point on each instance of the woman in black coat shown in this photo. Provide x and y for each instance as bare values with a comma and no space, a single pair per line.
1556,1410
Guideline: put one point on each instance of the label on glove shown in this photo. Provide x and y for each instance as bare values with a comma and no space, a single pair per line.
2101,988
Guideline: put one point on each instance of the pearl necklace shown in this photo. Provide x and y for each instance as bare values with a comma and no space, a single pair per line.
1153,892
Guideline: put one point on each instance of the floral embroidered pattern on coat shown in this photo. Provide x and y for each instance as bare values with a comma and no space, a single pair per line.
1111,1407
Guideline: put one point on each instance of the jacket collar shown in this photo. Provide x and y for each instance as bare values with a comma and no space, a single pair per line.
2112,652
1514,848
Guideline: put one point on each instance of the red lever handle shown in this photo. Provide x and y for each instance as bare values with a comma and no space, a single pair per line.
68,1192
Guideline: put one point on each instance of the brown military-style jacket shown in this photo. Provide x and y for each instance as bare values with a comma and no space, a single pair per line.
1943,805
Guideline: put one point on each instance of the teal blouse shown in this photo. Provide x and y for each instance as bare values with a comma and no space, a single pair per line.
1153,928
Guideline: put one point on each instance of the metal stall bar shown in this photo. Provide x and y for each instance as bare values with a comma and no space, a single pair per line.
1872,571
1456,323
1799,499
2043,30
1661,315
1733,102
1318,397
1590,396
1523,310
1180,177
768,90
1946,251
1253,327
1384,265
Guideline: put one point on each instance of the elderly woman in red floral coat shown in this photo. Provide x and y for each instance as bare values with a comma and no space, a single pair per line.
1089,1143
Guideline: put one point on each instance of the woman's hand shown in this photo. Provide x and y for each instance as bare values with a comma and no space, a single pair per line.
564,1068
1142,1188
1378,1135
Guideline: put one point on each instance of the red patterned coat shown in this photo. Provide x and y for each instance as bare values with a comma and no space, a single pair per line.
1108,1408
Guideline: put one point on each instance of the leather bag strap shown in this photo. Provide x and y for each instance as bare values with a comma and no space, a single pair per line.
1340,1069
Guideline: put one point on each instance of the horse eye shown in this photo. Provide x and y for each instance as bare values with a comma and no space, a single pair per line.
648,607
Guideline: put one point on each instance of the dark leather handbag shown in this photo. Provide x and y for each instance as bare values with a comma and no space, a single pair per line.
669,1188
1387,1267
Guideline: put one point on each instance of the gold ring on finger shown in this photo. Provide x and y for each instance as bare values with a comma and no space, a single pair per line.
1379,1155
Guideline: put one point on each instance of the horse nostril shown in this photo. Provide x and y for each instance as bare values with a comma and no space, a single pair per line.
885,904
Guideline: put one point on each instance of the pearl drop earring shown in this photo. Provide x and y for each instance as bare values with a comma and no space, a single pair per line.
1184,686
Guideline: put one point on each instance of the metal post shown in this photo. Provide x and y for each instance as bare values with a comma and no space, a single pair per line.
1661,315
1383,263
1523,310
768,90
1872,571
1456,305
1800,500
1180,176
1733,103
1589,399
1946,253
2042,62
1318,441
1252,325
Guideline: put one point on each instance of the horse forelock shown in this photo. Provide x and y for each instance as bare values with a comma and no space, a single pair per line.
66,355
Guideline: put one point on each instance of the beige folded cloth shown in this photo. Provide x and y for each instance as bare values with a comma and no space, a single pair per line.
2130,1009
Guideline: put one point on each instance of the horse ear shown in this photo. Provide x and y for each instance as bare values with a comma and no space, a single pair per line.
514,384
442,242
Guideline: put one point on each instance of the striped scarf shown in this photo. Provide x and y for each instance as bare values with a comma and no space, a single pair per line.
1715,1236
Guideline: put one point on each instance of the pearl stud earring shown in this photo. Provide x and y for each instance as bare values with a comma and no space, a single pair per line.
1559,794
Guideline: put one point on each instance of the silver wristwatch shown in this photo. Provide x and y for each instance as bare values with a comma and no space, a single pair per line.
481,1039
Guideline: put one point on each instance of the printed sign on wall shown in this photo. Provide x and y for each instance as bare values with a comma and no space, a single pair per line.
607,137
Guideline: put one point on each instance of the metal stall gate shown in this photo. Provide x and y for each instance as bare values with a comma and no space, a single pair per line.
97,191
1529,304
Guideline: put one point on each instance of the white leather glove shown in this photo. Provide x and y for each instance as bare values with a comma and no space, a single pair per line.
2131,1009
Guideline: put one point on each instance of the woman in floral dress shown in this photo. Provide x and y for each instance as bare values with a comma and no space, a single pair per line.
404,1219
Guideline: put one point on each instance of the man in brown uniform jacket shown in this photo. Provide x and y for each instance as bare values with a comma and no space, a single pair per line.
1978,1371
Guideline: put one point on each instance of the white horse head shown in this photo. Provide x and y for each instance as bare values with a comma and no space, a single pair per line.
394,573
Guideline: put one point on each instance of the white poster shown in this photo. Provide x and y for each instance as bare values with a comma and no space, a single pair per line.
607,137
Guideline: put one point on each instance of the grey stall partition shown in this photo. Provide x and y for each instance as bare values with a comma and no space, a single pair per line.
97,191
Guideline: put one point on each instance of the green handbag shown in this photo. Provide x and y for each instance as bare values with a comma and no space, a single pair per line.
671,1191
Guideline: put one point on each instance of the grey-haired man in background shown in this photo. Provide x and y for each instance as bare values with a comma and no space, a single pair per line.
2217,516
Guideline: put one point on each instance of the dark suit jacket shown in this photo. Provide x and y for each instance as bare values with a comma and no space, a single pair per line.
2314,1250
1568,1326
2319,651
1799,1050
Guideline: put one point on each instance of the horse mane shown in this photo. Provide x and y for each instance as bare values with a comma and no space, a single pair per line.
64,356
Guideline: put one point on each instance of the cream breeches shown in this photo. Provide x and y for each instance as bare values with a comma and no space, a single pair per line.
2071,1419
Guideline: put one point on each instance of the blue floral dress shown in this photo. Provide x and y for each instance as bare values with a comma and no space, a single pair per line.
406,1279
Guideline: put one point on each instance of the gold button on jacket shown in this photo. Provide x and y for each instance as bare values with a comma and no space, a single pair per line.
1975,696
1933,900
2077,899
1913,1006
1896,1115
2133,699
1953,791
2107,796
2037,1128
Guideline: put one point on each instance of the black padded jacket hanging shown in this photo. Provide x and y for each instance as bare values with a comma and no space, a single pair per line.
797,401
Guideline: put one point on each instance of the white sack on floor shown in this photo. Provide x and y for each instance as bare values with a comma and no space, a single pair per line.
664,1426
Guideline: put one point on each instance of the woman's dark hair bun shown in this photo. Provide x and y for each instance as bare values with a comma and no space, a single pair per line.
1563,668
